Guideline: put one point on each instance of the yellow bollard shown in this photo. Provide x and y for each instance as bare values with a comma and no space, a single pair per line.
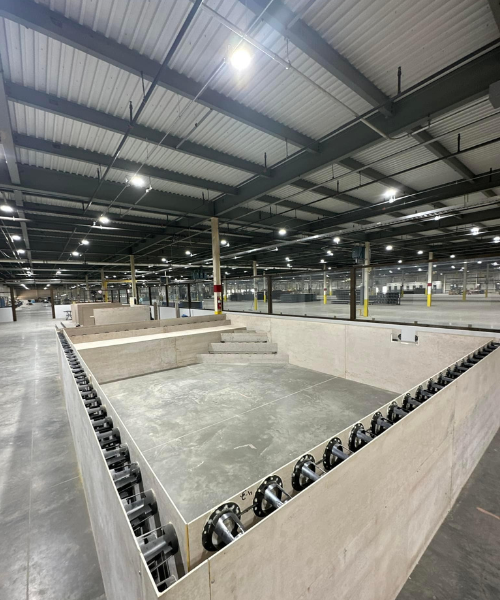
429,298
365,307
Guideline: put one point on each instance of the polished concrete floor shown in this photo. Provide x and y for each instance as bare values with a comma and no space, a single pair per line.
445,310
210,431
47,549
463,560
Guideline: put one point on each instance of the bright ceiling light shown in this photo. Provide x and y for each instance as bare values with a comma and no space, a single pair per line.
240,59
400,261
21,251
137,181
436,218
223,242
75,253
420,252
390,195
479,262
16,238
282,231
6,208
336,240
163,260
58,272
322,260
474,230
188,252
103,219
452,256
452,266
388,247
329,252
85,242
495,239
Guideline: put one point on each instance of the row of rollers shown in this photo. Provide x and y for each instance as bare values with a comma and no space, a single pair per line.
224,524
158,545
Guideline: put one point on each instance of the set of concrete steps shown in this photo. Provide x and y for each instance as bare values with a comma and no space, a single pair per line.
243,347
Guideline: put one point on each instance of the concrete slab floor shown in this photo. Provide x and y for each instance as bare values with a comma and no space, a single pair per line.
210,431
46,545
462,561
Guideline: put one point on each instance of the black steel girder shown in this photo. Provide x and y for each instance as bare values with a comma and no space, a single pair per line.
55,25
464,84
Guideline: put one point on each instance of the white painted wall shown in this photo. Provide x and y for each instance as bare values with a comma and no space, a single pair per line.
6,315
61,309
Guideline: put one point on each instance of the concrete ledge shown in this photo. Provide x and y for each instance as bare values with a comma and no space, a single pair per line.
245,347
246,336
242,358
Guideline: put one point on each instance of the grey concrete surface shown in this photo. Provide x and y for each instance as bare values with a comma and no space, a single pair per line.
462,561
209,431
445,310
47,549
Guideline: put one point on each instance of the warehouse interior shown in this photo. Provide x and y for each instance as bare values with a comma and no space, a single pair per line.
249,261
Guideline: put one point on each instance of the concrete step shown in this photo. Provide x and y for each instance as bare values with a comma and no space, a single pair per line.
243,347
244,336
241,358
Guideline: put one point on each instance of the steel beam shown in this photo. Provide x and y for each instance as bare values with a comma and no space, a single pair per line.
28,97
467,218
452,161
7,140
464,84
430,196
34,180
78,112
495,9
285,21
56,26
97,158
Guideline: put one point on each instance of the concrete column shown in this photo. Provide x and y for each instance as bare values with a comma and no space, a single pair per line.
104,286
52,302
444,284
402,285
134,282
13,304
464,291
366,280
429,279
216,265
487,279
255,301
324,284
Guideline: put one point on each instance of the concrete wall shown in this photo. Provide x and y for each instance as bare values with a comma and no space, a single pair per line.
126,314
83,313
130,357
357,532
364,353
124,571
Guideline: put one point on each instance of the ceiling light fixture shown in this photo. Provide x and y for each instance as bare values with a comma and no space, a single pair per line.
388,247
137,181
474,230
282,231
103,219
420,252
336,240
496,239
17,238
75,253
452,256
240,59
400,261
6,208
188,252
21,251
85,242
223,242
